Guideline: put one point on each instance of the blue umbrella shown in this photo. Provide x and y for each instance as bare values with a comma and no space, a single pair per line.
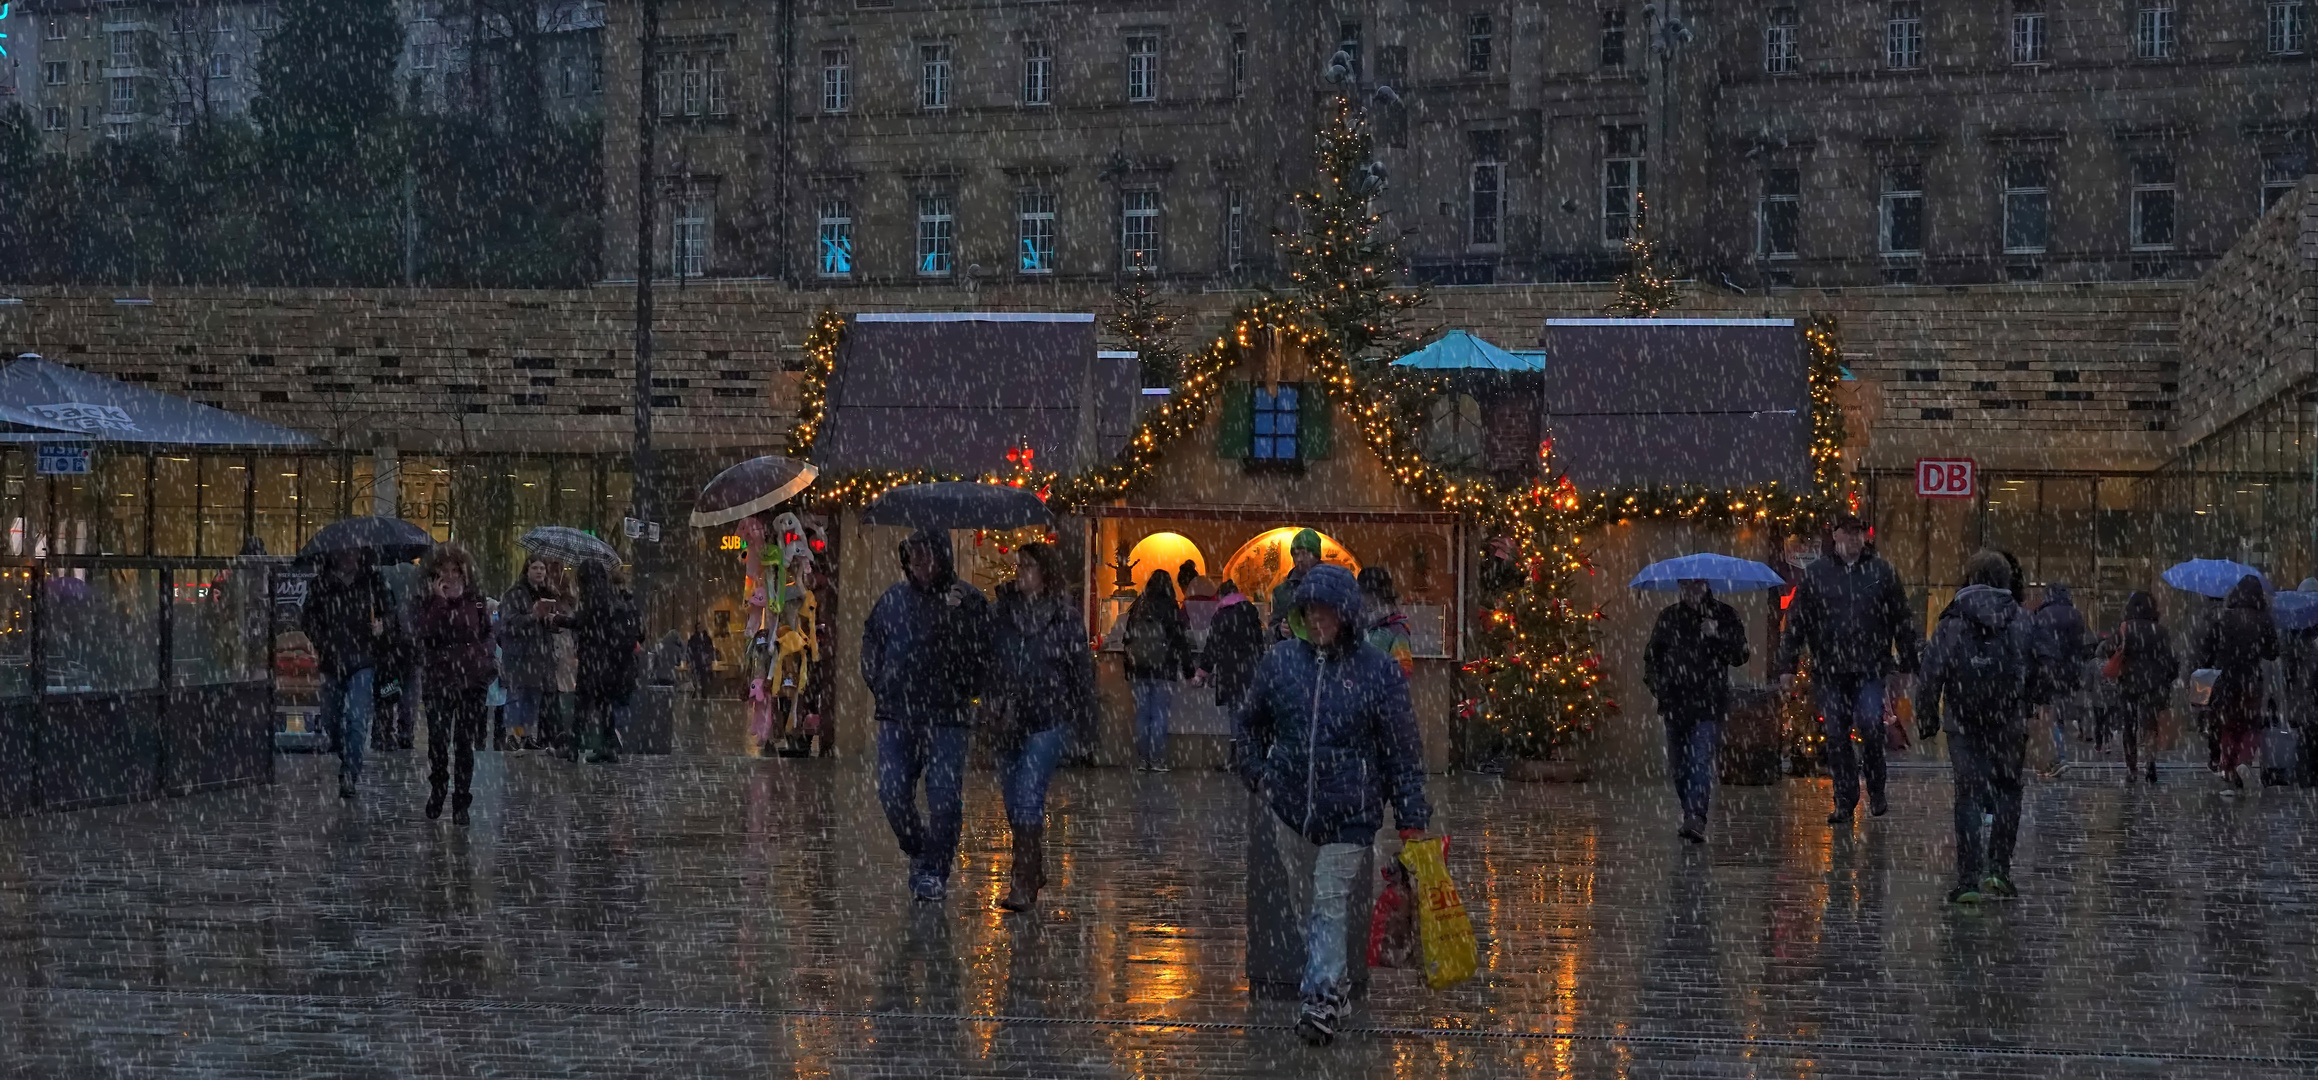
1721,573
2295,610
2210,577
1458,350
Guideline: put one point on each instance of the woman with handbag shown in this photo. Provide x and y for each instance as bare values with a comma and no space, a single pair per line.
2140,662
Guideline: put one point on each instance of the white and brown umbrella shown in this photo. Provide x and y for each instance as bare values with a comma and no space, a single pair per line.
751,487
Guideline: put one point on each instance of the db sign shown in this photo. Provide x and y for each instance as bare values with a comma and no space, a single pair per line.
1946,478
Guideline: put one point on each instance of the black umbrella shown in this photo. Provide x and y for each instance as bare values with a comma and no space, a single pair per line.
569,546
958,505
390,539
750,487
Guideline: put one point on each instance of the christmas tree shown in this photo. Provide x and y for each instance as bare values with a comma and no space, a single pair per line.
1147,327
1342,263
1647,287
1541,678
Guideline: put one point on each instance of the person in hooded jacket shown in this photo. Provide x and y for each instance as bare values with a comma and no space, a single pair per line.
2068,645
349,615
1235,643
2239,641
1981,676
1158,641
2144,677
607,631
1326,738
453,628
1687,665
925,655
1852,614
1388,625
1045,677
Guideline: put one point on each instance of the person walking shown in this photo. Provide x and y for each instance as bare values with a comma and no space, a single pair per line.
2238,642
531,614
1303,554
606,633
1158,654
1852,615
1326,737
1235,643
1687,665
2144,676
2208,612
925,655
1388,625
349,615
700,653
453,628
2069,645
1046,676
1981,676
2298,694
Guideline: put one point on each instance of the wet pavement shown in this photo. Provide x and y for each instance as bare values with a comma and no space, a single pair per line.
717,916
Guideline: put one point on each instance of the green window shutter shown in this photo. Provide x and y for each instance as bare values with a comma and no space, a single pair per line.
1315,423
1233,436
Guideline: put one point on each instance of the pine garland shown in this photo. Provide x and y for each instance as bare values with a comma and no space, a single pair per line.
813,391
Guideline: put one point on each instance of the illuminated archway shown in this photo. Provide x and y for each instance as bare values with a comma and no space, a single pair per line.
1261,564
1164,551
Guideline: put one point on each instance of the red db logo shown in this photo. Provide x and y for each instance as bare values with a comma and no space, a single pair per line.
1946,478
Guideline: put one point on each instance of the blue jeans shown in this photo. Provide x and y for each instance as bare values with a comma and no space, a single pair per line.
1153,698
936,753
1987,767
1023,776
524,706
1690,745
1850,704
346,709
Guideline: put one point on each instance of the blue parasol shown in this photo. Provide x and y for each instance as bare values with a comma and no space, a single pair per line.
1722,573
2210,577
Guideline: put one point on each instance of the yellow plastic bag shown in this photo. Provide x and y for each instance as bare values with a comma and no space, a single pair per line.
1444,933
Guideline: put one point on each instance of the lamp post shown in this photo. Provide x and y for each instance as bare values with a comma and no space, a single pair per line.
641,502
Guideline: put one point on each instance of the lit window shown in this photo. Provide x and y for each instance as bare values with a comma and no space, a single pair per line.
1903,36
934,78
1275,414
1900,217
1142,67
1038,73
1781,52
934,240
1480,40
836,238
2027,205
2153,200
1035,231
1622,179
2028,32
1782,213
1139,229
2153,30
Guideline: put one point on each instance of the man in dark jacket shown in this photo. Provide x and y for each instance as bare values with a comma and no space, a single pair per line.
2066,646
925,654
1851,612
1326,737
1687,668
700,652
1981,675
1235,644
348,616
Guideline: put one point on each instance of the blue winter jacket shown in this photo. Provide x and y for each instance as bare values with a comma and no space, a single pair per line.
1328,736
925,650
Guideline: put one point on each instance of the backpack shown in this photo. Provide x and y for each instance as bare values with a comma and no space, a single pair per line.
1991,676
1147,646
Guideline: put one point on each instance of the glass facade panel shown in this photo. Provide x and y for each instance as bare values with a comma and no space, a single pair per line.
224,511
217,626
101,629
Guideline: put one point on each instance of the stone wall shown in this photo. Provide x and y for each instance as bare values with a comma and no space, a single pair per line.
2250,328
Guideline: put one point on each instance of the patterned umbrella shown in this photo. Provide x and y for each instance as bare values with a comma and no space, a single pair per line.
569,546
753,486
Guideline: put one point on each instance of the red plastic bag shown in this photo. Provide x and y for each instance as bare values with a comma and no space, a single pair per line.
1392,927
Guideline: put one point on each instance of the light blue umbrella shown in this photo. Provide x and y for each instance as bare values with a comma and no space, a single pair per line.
2296,610
2210,577
1458,350
1722,573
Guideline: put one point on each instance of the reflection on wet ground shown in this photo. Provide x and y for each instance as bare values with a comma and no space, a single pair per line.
720,916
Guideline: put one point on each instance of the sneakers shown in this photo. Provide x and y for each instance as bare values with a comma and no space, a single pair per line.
1316,1025
1693,829
1964,894
928,888
1998,887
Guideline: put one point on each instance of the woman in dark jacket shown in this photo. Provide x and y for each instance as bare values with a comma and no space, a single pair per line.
2144,677
2238,641
1158,654
1235,642
349,617
608,632
531,614
1046,677
453,627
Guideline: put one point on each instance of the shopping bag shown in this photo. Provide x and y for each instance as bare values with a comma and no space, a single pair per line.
1392,927
1444,933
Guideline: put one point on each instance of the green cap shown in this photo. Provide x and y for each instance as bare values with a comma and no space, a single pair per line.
1305,540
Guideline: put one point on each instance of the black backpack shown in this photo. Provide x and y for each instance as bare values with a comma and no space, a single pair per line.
1991,677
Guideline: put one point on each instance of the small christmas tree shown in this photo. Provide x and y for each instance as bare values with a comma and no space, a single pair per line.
1541,680
1647,287
1341,262
1147,327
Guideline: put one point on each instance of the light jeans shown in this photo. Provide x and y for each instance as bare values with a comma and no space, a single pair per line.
1153,699
1324,911
346,710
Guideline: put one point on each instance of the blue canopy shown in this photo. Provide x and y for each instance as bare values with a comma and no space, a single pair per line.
1722,573
2210,577
48,402
1458,350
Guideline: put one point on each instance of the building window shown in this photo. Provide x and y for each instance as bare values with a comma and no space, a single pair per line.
422,56
1622,180
124,95
1035,229
265,17
836,238
180,113
936,245
116,131
1614,38
1038,73
2153,199
1486,189
2027,205
596,71
717,104
221,65
1782,213
1480,39
836,80
1392,64
2285,27
1239,63
693,85
934,81
1903,36
2280,173
2153,30
55,27
567,75
1142,67
688,233
1235,228
1348,43
124,48
1781,52
1275,411
1900,220
223,23
52,118
2028,32
1139,229
56,72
